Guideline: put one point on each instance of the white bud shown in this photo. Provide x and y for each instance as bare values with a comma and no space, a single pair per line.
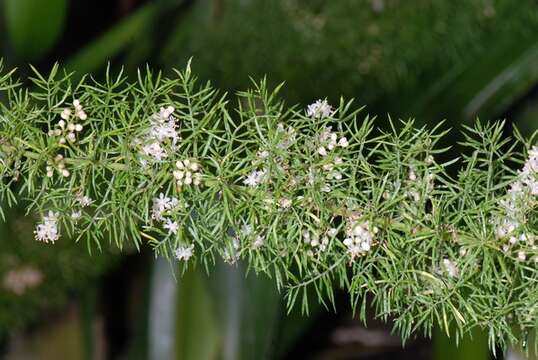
78,127
179,174
65,114
194,166
322,151
65,173
343,142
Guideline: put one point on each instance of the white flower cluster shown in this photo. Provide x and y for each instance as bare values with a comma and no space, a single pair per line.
285,203
21,279
187,172
247,233
359,236
319,110
47,231
162,128
162,206
450,268
58,164
331,171
163,125
312,239
520,199
419,183
184,253
67,127
328,141
231,255
83,201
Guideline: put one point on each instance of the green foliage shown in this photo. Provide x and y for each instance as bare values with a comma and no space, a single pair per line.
418,219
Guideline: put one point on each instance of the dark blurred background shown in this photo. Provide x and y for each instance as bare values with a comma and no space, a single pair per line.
431,60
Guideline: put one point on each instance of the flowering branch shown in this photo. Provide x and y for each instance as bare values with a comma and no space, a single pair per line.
319,199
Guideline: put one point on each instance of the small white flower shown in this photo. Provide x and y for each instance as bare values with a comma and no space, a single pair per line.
184,252
75,215
521,256
258,243
84,200
246,230
47,231
319,110
285,203
162,204
254,178
171,226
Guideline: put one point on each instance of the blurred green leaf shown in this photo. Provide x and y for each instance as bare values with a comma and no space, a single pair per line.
486,86
197,328
248,309
471,347
95,55
34,26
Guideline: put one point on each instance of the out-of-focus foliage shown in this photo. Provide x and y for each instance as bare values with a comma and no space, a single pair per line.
35,278
369,49
34,26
